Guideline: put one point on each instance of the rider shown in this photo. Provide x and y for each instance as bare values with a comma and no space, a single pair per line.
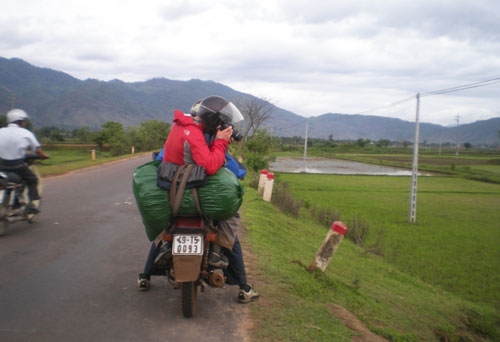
187,144
15,141
235,272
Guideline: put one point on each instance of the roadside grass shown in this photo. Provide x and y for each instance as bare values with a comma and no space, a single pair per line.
294,304
418,288
455,243
70,158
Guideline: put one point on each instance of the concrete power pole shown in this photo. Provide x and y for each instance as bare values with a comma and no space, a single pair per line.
305,146
412,216
457,145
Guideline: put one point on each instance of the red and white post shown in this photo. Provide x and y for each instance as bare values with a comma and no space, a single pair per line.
262,181
268,187
329,246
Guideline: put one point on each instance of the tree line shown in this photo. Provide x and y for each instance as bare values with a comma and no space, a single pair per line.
255,145
151,135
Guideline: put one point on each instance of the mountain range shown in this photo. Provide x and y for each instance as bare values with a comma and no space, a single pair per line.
54,98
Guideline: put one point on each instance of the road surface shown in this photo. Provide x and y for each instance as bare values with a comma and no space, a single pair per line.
71,276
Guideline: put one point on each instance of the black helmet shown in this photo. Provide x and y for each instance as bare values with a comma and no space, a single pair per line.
215,111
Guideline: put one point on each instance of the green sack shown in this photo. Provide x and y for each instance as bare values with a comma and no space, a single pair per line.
152,201
219,199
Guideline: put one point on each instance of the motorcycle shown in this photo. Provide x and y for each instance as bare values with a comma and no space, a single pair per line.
188,243
14,196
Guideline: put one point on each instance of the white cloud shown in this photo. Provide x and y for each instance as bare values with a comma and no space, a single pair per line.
309,56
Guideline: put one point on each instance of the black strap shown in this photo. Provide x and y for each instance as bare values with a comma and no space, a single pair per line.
177,189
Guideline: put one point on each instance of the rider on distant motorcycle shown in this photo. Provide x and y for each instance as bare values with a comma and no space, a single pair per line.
15,141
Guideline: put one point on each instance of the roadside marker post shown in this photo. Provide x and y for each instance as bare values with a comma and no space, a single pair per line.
93,155
330,244
262,181
268,187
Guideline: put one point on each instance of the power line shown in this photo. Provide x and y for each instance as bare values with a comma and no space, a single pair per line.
438,92
394,104
463,87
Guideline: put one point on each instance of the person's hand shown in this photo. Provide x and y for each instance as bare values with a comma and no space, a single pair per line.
225,133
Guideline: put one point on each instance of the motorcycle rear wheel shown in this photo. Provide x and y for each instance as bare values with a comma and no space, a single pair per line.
3,227
189,291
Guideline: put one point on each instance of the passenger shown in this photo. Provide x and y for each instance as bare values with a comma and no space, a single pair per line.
197,138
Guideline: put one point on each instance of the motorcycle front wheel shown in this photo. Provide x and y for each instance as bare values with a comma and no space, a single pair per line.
4,212
189,291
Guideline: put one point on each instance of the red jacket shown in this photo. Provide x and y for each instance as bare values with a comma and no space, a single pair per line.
186,145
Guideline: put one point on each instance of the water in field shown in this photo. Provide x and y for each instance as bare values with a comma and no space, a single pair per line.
333,166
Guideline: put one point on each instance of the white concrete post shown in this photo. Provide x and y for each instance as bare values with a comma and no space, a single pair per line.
93,155
329,246
268,187
262,181
132,149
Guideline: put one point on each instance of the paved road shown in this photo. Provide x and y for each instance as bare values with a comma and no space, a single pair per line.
71,275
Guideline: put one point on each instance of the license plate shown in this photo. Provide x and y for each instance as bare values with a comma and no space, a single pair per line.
187,244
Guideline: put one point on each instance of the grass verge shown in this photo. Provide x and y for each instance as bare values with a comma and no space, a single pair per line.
67,159
390,301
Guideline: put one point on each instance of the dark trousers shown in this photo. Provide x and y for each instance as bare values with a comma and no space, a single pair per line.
235,272
31,180
150,267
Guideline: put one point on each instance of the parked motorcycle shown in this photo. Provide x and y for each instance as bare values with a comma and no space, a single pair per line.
14,196
186,247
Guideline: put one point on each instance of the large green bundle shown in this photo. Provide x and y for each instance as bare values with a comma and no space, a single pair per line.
220,199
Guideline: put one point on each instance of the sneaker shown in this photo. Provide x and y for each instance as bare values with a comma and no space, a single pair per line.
217,258
143,282
248,296
30,209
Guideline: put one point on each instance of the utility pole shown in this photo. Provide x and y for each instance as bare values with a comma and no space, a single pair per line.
305,145
457,118
412,216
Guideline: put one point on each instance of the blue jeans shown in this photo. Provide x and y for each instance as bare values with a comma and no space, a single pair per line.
150,267
235,273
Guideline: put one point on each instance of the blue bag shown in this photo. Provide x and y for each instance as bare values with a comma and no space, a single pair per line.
235,166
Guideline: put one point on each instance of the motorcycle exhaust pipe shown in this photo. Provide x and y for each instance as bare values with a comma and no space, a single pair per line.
216,278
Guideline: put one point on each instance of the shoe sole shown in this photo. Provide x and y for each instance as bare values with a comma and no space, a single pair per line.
245,301
143,287
248,300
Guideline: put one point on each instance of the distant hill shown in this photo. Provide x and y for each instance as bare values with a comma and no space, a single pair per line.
53,98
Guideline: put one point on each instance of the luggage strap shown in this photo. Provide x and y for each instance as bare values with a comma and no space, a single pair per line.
177,190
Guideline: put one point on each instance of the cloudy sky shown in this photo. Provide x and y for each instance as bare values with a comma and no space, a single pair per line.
307,56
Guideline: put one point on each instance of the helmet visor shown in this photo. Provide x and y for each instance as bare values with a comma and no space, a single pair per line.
229,114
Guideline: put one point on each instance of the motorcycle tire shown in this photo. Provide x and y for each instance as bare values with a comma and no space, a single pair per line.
188,298
4,224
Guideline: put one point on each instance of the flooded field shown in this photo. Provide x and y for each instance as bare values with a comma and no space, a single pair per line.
332,166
